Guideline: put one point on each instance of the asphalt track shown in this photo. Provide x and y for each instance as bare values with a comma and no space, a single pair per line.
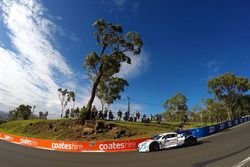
221,150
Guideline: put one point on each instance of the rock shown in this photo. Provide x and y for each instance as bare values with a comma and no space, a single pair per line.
110,126
120,131
89,123
99,125
129,135
87,131
116,136
99,131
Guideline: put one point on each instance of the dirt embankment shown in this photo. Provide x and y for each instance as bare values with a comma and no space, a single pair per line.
68,129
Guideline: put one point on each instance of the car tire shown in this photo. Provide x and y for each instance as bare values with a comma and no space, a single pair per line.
190,141
154,147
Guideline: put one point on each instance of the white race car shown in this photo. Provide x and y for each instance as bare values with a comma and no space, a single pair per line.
167,140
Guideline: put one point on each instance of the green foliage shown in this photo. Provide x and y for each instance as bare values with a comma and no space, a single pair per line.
176,105
216,110
23,112
114,48
228,88
65,97
196,114
109,90
243,105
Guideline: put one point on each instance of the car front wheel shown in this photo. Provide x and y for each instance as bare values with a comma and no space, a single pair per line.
154,147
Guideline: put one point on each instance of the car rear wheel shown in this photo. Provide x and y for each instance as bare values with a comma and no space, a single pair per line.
154,147
190,141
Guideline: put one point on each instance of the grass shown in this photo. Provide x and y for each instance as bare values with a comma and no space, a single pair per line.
70,130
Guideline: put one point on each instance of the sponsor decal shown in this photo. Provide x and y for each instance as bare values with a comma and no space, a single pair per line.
241,120
236,122
222,126
8,138
211,129
118,145
229,123
67,146
28,142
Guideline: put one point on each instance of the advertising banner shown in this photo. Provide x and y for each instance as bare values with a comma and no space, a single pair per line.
71,146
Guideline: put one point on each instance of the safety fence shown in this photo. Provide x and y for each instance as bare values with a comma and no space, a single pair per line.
209,130
109,146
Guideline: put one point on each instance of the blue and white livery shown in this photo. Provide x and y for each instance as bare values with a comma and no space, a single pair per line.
167,140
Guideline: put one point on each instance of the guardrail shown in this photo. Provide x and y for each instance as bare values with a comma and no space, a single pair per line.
109,146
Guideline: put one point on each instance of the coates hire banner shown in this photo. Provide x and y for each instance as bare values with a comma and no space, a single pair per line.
110,146
71,146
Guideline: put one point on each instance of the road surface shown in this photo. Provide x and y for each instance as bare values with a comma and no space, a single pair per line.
230,148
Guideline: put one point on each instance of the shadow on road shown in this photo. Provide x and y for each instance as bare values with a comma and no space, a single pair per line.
205,163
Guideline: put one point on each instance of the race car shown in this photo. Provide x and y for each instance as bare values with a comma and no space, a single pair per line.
167,140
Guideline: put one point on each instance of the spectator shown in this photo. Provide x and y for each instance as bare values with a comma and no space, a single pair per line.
105,113
158,118
94,112
138,115
119,115
131,119
151,117
126,117
67,112
100,115
143,118
181,125
110,115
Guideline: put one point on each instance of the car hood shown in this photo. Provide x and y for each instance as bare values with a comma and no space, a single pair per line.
146,142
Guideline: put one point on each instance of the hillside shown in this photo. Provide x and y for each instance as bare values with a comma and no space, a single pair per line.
69,130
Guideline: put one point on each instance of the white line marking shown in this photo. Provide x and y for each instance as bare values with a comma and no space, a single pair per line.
242,162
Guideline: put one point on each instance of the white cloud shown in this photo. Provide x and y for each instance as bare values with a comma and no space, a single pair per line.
114,6
138,65
30,69
213,68
119,3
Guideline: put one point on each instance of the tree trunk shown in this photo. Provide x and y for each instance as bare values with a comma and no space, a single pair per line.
102,103
93,92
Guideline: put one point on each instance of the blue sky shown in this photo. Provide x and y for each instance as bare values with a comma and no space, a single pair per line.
43,45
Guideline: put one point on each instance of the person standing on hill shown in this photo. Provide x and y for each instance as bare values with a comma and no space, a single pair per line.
110,115
119,115
94,112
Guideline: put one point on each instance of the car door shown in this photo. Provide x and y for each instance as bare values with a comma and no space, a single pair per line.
172,140
165,141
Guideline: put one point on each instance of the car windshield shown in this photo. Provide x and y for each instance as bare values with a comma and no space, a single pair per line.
156,137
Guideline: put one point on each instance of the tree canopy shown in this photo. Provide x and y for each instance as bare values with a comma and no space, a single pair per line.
109,90
177,105
22,112
65,97
228,88
114,48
